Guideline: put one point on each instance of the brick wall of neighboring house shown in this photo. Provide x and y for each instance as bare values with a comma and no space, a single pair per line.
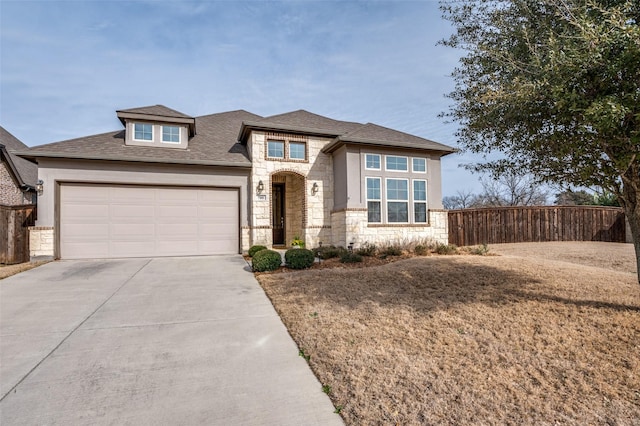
10,194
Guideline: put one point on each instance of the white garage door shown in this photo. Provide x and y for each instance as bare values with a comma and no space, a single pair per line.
106,221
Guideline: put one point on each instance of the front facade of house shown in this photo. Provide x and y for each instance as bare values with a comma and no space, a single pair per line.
170,185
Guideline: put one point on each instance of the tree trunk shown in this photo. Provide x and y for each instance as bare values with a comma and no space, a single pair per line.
631,205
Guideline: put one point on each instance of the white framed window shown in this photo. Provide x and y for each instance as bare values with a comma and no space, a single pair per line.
396,163
419,165
420,201
372,161
171,134
142,132
397,200
275,149
374,200
297,150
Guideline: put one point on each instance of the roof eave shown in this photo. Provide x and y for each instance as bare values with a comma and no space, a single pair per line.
339,141
32,156
247,126
12,167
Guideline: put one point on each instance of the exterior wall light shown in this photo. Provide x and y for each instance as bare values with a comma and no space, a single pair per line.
260,187
314,188
40,187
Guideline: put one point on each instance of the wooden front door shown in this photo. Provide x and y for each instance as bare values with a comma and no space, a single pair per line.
278,213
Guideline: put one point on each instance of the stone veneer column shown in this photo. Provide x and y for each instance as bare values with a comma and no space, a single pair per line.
41,242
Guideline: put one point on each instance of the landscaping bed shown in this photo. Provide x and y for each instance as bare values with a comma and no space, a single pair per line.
468,339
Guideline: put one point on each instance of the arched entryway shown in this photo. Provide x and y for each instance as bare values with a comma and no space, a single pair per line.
288,206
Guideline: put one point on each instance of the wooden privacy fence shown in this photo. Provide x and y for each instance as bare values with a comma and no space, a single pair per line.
496,225
14,233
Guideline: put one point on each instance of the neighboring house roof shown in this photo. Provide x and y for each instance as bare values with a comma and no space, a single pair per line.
26,173
214,144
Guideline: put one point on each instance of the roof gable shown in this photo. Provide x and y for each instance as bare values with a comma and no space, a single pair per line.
26,172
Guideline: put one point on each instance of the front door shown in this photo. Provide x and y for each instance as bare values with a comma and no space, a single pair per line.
277,213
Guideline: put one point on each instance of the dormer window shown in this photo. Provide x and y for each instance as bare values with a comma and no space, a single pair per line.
143,132
157,127
171,134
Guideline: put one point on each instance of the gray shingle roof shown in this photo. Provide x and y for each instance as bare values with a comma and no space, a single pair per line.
27,171
217,134
372,134
214,144
158,110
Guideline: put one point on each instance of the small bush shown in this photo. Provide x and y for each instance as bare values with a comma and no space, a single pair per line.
420,250
367,250
266,260
446,248
328,252
348,257
480,250
392,251
299,258
254,249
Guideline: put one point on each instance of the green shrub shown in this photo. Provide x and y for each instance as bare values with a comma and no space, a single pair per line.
348,257
299,258
392,251
254,249
367,250
480,250
266,260
328,252
446,248
420,250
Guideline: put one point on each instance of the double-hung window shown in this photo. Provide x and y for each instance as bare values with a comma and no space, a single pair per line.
171,134
275,149
374,200
143,132
397,200
420,201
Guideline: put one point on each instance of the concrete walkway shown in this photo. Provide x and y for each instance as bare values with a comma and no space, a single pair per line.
189,341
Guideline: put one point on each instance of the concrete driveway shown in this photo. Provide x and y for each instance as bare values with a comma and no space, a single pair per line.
171,341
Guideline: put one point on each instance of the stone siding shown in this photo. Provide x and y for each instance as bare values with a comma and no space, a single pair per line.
41,242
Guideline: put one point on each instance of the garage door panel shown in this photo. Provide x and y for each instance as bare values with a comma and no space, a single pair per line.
144,221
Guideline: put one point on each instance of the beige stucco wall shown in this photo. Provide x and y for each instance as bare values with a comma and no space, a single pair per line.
54,171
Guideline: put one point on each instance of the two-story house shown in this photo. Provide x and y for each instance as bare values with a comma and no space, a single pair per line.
168,184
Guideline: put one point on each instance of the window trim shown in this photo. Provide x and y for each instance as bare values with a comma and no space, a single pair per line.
172,127
386,164
388,200
425,201
284,152
413,169
379,161
133,137
374,200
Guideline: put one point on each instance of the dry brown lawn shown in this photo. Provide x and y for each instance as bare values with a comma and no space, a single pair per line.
470,339
9,270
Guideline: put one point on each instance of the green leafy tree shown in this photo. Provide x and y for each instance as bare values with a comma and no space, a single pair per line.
554,87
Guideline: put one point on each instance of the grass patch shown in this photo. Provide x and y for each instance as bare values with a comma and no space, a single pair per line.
468,339
9,270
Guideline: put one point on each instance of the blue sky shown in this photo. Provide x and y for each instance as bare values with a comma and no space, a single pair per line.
66,66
